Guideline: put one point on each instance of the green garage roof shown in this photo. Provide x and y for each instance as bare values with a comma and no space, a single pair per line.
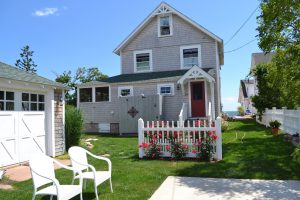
13,73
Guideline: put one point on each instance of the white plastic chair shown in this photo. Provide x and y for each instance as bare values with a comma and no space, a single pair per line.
42,172
79,161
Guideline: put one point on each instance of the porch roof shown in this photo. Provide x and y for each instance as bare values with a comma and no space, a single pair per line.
194,73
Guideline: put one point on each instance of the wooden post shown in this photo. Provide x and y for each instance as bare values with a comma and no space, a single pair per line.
219,140
141,136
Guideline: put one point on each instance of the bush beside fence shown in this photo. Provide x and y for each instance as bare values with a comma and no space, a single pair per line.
188,134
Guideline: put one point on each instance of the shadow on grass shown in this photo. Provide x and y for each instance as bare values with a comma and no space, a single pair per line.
110,135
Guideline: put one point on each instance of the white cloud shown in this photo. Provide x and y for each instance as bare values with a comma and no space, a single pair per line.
229,99
45,12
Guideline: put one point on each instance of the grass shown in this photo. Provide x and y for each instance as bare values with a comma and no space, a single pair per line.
249,151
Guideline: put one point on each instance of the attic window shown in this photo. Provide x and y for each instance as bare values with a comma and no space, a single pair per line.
165,25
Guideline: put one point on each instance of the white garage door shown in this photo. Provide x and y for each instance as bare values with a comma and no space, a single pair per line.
21,135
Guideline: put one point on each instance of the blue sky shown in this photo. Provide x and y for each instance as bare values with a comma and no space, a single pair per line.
69,34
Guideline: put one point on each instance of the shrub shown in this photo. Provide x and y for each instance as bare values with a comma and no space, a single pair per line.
296,154
73,126
177,149
274,124
224,125
204,149
152,149
241,110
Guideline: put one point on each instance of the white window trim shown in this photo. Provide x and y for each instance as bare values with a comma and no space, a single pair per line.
150,60
158,25
124,88
165,85
198,46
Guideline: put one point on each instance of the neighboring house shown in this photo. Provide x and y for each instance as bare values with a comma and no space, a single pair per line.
246,91
31,115
259,58
169,65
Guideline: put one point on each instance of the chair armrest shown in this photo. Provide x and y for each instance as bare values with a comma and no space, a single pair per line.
101,158
54,180
71,169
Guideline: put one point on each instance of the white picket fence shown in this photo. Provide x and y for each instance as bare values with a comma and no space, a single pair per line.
289,119
187,135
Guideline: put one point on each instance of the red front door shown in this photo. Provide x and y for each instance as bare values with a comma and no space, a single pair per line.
198,99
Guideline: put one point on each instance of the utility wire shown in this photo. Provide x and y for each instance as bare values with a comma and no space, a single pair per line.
245,22
241,46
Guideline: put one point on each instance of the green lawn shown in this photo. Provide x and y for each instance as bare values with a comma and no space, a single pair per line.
259,155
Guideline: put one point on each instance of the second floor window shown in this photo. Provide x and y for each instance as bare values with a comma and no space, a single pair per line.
143,61
190,56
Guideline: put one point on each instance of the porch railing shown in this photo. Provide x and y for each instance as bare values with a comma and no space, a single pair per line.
188,135
183,115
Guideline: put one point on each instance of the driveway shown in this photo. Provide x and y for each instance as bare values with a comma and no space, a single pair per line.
178,188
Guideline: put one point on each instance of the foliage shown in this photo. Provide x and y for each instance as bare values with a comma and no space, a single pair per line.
177,149
224,125
274,124
204,148
279,31
296,154
82,75
152,149
241,110
279,26
268,88
73,126
26,63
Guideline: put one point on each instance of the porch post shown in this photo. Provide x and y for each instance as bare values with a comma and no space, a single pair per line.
212,96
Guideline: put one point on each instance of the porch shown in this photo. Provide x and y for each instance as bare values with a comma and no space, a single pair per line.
198,86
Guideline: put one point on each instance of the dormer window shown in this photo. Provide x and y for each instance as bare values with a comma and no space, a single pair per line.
165,25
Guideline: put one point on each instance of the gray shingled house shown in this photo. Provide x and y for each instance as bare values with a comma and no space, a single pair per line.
31,115
170,70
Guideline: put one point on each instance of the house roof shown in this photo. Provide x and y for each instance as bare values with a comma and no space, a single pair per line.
261,57
13,73
140,77
243,86
164,8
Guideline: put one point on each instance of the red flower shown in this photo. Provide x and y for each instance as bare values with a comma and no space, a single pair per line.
215,137
144,145
153,155
194,151
185,146
210,132
158,147
168,147
160,135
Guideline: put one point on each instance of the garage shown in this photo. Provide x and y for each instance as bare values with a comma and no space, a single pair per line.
31,116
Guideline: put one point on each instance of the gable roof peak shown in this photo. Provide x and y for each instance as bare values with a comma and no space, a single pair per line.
164,8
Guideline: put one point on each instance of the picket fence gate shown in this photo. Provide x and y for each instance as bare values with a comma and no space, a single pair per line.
187,133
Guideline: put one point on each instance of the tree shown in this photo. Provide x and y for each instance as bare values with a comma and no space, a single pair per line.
279,24
82,75
26,63
279,32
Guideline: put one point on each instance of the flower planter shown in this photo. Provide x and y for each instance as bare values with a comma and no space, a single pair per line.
275,131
